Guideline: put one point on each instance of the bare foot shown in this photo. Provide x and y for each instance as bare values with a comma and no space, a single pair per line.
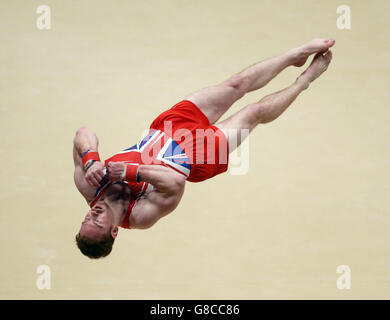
318,66
317,45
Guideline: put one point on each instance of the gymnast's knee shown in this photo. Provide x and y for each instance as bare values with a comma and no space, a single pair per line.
238,83
263,113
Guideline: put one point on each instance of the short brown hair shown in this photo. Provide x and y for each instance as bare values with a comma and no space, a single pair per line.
95,249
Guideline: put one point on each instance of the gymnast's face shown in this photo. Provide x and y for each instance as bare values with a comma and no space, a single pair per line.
98,222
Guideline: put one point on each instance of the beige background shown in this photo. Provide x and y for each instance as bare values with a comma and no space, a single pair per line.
317,192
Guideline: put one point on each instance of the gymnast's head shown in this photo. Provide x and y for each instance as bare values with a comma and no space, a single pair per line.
98,232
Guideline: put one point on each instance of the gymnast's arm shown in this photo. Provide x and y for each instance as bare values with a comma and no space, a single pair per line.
86,184
169,189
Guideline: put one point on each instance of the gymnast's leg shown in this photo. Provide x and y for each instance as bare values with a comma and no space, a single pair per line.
272,106
214,101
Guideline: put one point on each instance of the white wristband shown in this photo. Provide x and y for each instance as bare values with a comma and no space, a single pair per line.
123,175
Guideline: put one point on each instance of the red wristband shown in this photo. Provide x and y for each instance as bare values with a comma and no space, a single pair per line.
132,173
89,158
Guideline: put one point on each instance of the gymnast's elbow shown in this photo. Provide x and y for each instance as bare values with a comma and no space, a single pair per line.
82,130
178,183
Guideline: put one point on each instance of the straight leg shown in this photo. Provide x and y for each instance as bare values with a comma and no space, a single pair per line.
272,106
214,101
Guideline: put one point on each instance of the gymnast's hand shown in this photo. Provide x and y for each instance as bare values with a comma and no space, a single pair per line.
95,173
115,170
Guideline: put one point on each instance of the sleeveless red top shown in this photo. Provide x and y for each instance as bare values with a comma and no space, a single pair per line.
156,148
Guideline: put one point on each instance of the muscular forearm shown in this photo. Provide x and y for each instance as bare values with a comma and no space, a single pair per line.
85,140
164,179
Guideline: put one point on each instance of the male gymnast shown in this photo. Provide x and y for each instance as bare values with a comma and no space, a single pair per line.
138,186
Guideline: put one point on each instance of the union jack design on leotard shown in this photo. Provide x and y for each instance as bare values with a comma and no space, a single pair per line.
155,148
158,148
